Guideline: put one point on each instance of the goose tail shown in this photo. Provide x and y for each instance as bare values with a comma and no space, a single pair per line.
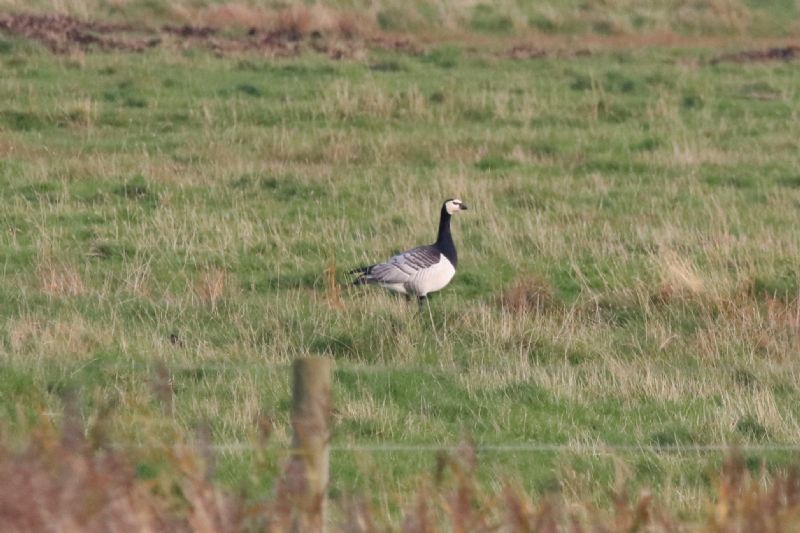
362,273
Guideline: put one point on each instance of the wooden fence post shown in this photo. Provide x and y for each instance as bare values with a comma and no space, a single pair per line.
311,412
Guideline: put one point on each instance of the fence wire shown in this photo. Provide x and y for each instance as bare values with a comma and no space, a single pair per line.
155,366
581,449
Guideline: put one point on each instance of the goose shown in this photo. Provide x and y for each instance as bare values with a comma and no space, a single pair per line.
421,270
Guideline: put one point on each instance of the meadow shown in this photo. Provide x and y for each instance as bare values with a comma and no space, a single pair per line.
177,224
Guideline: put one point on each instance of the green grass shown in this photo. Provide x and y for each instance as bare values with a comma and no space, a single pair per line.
654,198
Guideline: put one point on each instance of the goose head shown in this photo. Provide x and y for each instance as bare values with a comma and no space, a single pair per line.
454,205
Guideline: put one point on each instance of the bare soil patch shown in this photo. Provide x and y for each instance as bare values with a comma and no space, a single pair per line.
62,34
529,51
783,53
338,35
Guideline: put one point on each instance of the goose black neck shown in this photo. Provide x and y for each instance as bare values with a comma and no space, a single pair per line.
444,241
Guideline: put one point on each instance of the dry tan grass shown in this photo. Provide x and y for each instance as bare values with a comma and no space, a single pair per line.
210,286
72,337
529,294
296,21
79,113
22,332
679,275
58,279
333,291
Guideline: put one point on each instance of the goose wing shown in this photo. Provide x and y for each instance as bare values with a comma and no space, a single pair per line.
401,268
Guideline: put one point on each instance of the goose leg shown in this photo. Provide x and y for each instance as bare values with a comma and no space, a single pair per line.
424,302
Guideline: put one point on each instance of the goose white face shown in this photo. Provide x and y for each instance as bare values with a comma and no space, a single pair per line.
455,205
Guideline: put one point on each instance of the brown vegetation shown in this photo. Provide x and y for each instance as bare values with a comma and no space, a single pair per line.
59,279
532,51
282,33
783,53
210,286
60,485
529,294
233,28
62,33
60,482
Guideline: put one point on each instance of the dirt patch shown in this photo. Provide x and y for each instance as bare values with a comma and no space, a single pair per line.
784,53
290,40
62,34
289,36
530,294
526,51
261,42
186,31
294,31
395,43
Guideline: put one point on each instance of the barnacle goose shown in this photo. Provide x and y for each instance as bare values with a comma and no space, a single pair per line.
422,270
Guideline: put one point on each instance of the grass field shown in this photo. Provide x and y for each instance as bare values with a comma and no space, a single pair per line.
176,227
